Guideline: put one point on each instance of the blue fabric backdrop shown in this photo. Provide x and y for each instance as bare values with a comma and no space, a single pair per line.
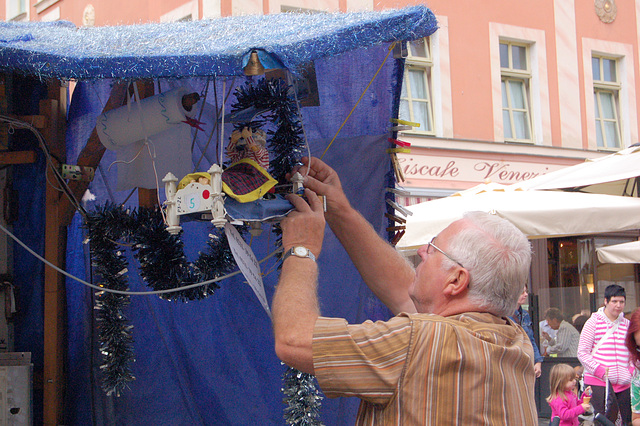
212,361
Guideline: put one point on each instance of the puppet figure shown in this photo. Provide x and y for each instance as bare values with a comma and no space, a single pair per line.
250,144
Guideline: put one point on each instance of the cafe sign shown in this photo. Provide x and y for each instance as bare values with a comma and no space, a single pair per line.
428,167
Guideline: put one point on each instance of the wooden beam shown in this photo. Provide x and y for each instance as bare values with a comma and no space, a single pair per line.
147,197
54,291
37,121
17,157
91,155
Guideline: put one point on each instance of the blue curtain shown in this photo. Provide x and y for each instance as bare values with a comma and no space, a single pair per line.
212,362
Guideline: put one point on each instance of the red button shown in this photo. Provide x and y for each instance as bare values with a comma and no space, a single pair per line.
205,194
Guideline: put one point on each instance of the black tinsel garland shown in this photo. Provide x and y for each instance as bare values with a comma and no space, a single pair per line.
286,141
302,398
163,265
104,228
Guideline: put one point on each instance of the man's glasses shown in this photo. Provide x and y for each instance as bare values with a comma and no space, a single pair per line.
430,244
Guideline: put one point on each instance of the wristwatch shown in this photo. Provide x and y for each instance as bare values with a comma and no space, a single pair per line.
299,251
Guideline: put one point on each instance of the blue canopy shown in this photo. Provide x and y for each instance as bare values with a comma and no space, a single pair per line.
199,48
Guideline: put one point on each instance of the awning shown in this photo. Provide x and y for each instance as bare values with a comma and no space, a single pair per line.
538,214
614,174
620,253
200,48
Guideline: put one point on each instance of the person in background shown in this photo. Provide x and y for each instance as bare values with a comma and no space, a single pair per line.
563,399
579,369
565,343
579,320
522,317
545,328
604,355
632,342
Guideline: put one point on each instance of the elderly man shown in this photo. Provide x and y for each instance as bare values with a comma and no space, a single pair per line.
449,356
565,342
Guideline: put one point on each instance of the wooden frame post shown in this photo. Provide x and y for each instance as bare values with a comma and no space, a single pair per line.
54,109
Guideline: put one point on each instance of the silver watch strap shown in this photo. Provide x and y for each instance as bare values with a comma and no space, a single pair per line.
291,252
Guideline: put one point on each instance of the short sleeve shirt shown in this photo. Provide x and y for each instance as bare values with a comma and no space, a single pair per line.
423,369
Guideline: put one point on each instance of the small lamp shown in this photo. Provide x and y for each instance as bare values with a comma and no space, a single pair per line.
589,283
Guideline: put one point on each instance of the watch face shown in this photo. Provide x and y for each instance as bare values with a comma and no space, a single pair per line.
300,251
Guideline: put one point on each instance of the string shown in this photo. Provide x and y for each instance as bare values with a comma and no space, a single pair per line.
125,161
224,83
304,133
213,131
133,293
151,155
361,96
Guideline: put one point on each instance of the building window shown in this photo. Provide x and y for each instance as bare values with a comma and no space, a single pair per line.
606,93
16,9
516,82
415,100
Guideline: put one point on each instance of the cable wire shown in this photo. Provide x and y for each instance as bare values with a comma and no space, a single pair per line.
15,123
132,293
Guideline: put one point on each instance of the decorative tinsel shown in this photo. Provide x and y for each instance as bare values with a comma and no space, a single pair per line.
302,397
163,265
206,47
286,142
114,331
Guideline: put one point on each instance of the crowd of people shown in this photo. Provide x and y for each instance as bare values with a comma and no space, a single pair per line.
460,348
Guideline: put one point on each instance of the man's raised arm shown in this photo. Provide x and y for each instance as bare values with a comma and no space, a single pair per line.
382,268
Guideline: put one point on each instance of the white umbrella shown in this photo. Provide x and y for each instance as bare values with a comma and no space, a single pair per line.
620,253
538,214
614,174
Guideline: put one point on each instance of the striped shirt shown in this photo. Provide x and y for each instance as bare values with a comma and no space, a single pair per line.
422,369
565,343
612,353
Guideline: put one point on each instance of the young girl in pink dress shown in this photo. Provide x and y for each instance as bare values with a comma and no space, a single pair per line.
563,399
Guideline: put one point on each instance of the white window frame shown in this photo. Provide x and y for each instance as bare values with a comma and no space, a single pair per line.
442,104
601,87
13,10
188,11
539,85
524,77
425,65
627,108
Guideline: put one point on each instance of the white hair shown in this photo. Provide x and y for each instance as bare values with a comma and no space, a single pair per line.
498,258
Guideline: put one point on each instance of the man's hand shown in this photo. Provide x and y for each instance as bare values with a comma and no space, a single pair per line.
305,225
382,268
323,180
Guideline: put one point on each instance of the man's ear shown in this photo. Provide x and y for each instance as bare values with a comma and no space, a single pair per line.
457,282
